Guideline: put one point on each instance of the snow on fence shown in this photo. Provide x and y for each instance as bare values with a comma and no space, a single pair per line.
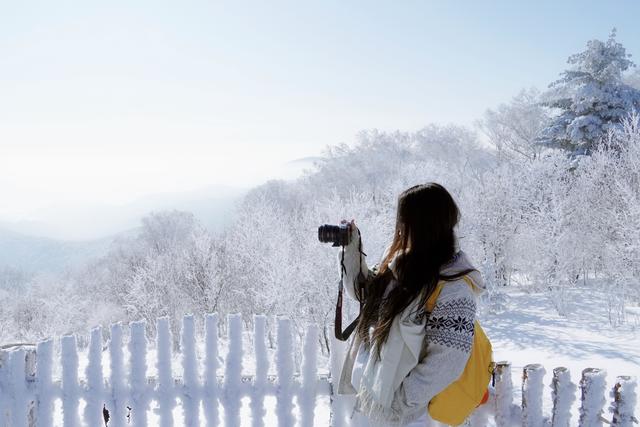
28,390
563,391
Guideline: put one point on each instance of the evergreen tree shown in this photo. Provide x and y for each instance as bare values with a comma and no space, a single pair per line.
591,96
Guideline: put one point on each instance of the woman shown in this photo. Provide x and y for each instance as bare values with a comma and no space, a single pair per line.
401,356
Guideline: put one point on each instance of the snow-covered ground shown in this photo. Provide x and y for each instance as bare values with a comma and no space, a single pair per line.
531,331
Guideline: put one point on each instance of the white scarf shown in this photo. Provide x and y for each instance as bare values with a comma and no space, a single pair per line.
398,356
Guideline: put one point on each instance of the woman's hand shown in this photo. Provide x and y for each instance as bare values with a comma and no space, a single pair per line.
354,232
400,402
401,407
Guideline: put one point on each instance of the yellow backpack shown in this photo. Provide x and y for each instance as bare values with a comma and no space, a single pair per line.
456,402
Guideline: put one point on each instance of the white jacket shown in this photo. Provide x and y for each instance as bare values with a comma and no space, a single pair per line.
418,360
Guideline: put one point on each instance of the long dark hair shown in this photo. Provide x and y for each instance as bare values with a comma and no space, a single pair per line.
425,219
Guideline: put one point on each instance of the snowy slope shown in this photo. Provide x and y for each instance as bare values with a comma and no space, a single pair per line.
530,331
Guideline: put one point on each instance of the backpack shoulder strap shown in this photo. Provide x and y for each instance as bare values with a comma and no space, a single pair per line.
431,302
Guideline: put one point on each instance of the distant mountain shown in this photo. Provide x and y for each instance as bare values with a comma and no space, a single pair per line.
72,235
69,235
213,206
44,255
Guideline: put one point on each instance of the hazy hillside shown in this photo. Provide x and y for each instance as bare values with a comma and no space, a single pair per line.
41,254
81,222
71,235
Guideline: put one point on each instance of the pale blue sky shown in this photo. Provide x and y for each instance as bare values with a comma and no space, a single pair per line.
109,101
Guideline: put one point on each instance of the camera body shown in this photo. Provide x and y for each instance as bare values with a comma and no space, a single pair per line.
339,235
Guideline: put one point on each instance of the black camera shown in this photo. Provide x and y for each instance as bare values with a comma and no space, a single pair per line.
339,235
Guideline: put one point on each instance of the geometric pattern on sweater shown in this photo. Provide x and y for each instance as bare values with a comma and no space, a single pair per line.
452,324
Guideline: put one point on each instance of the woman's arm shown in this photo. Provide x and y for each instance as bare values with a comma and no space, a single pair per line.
352,260
449,337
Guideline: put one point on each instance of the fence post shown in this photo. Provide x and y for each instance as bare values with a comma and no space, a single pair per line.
17,369
5,410
138,373
624,402
95,382
262,367
284,369
504,394
563,394
165,391
338,403
190,397
592,385
70,395
233,372
118,401
211,366
44,386
309,376
532,376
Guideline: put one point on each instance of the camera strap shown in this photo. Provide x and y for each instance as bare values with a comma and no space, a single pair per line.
340,334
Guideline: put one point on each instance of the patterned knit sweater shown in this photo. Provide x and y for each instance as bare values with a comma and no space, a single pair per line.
448,336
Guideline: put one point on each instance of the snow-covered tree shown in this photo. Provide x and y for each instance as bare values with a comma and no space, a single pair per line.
591,97
513,128
13,278
168,268
633,79
543,223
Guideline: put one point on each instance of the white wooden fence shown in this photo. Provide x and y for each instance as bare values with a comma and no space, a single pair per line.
592,399
28,390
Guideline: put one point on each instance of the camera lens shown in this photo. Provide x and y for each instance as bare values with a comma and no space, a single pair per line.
336,234
328,233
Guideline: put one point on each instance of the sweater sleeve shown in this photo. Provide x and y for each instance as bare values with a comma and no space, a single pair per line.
353,262
449,337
